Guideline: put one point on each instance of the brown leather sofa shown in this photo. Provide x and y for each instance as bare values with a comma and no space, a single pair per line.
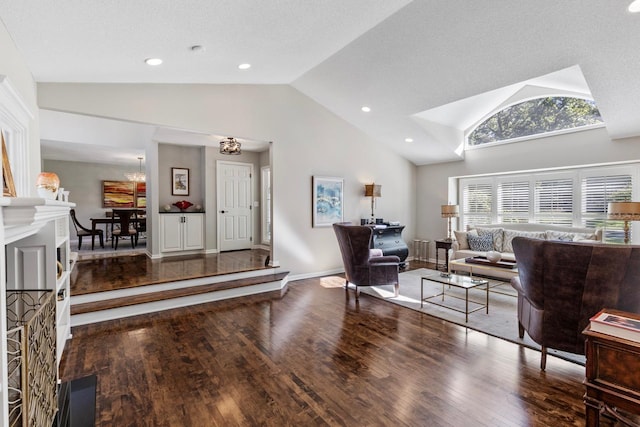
563,284
360,267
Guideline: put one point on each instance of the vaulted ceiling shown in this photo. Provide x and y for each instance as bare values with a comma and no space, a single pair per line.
428,69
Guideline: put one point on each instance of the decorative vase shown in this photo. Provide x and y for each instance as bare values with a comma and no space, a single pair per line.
47,185
183,205
494,256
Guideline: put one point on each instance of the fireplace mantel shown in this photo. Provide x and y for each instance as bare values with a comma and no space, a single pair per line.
24,216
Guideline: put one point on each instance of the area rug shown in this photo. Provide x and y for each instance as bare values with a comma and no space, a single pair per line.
501,321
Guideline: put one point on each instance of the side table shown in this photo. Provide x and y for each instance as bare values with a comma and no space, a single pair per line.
612,378
446,245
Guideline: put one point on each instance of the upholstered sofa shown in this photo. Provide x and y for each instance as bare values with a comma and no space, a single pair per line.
478,240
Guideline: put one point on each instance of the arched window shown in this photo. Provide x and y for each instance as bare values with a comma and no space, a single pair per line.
535,117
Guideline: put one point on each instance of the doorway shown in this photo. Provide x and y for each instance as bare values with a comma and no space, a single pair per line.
235,208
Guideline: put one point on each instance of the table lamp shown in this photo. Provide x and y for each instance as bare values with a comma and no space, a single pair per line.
450,211
624,211
373,191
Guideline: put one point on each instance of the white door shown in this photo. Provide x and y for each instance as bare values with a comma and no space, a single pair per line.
234,205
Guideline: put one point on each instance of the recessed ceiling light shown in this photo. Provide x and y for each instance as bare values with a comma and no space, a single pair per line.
634,7
244,66
153,61
408,140
366,109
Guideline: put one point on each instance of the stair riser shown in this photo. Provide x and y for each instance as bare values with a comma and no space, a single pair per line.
168,304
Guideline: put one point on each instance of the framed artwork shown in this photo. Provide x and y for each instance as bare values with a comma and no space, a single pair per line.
328,198
141,195
8,186
179,182
118,194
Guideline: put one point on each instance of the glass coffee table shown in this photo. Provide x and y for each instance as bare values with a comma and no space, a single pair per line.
457,281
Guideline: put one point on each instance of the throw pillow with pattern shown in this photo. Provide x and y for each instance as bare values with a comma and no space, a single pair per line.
480,243
507,244
461,237
563,236
496,235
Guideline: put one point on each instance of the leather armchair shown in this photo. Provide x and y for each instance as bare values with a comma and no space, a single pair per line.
561,285
361,266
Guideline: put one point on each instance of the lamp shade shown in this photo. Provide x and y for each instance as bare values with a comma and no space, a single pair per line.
624,211
450,211
372,190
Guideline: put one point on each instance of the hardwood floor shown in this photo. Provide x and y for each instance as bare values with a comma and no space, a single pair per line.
111,273
315,356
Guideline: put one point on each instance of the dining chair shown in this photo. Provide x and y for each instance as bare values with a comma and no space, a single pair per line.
82,231
123,225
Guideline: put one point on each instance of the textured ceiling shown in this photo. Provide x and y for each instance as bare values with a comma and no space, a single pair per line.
427,68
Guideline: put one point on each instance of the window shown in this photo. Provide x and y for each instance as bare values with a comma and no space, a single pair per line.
576,197
536,117
554,201
513,201
478,203
597,192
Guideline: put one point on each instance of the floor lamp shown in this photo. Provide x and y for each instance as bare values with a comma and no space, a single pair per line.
624,211
449,211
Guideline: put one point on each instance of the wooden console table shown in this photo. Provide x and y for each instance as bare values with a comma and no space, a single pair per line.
612,378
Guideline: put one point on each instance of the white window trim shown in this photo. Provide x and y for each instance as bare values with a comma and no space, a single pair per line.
529,137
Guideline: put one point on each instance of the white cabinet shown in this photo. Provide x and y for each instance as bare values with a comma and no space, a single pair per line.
181,232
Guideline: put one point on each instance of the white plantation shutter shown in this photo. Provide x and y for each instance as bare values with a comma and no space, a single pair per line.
553,199
597,192
513,202
477,203
570,197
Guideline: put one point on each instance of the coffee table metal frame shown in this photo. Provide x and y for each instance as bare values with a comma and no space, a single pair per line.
458,281
463,266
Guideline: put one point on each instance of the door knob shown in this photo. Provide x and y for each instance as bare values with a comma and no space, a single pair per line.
222,211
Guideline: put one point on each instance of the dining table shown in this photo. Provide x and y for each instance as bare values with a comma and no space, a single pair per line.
142,220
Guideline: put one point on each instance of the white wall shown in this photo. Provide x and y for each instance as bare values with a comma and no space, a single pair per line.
308,140
574,149
13,66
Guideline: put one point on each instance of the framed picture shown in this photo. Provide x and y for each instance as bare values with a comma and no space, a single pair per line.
8,186
141,195
118,194
179,182
328,197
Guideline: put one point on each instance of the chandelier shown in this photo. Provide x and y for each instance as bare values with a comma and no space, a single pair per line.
230,146
137,176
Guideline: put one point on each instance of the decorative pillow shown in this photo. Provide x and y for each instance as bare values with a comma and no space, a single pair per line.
509,235
577,237
480,243
559,235
461,237
496,235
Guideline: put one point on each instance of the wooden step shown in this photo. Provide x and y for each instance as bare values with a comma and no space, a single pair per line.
173,293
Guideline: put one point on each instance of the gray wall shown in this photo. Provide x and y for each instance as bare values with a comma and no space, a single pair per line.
84,183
